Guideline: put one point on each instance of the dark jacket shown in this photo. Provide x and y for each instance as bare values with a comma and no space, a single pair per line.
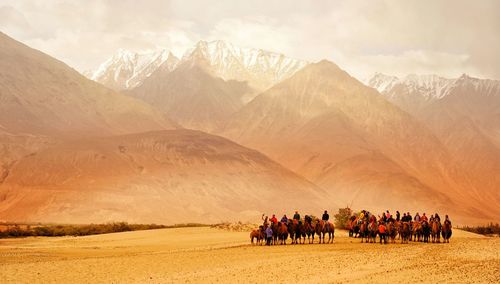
296,216
325,217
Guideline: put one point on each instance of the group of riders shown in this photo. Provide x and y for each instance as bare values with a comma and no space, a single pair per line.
275,231
417,228
364,225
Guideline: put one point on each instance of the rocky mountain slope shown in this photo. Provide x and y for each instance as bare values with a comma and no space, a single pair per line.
41,95
165,177
344,136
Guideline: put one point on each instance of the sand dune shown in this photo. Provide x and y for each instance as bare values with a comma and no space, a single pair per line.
211,255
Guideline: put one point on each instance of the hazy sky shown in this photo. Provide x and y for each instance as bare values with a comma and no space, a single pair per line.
394,37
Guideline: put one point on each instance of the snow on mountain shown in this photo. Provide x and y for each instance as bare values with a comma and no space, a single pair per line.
127,69
430,87
427,86
260,68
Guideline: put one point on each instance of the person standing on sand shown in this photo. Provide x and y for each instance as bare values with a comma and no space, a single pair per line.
381,232
269,236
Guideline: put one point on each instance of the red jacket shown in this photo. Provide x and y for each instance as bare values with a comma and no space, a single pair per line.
381,229
274,220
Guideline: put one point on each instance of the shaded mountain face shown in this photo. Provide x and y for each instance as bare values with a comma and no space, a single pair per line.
464,113
165,177
192,96
347,138
41,95
127,69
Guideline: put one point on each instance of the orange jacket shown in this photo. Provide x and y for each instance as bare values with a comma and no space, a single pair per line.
381,229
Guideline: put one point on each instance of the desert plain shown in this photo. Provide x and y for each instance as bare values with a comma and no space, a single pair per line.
209,255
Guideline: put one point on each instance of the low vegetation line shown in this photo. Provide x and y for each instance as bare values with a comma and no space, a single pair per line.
9,230
487,230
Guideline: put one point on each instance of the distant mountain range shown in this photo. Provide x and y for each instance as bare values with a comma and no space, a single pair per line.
144,141
260,68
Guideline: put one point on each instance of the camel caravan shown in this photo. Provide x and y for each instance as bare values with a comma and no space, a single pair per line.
364,225
406,228
274,232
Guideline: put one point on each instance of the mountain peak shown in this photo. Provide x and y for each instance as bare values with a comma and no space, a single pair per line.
127,69
260,68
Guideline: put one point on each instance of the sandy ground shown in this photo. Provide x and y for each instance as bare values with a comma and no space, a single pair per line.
210,255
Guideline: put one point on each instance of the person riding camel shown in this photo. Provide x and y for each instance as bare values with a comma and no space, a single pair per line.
423,218
266,223
404,218
284,219
447,220
296,216
383,218
398,216
390,219
408,217
436,216
387,215
325,217
308,219
431,219
416,218
273,219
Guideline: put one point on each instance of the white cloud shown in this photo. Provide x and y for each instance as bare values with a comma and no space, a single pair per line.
396,37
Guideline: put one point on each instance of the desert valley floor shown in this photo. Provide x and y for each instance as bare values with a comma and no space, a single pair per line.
209,255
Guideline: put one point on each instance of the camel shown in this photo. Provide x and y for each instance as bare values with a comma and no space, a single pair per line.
392,231
257,234
446,231
363,231
417,231
353,226
322,228
296,231
426,231
274,227
405,232
282,233
309,230
372,232
436,231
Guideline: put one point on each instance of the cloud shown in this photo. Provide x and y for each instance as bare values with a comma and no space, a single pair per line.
396,37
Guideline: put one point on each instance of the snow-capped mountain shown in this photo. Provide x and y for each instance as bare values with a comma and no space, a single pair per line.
127,69
431,87
428,87
260,68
